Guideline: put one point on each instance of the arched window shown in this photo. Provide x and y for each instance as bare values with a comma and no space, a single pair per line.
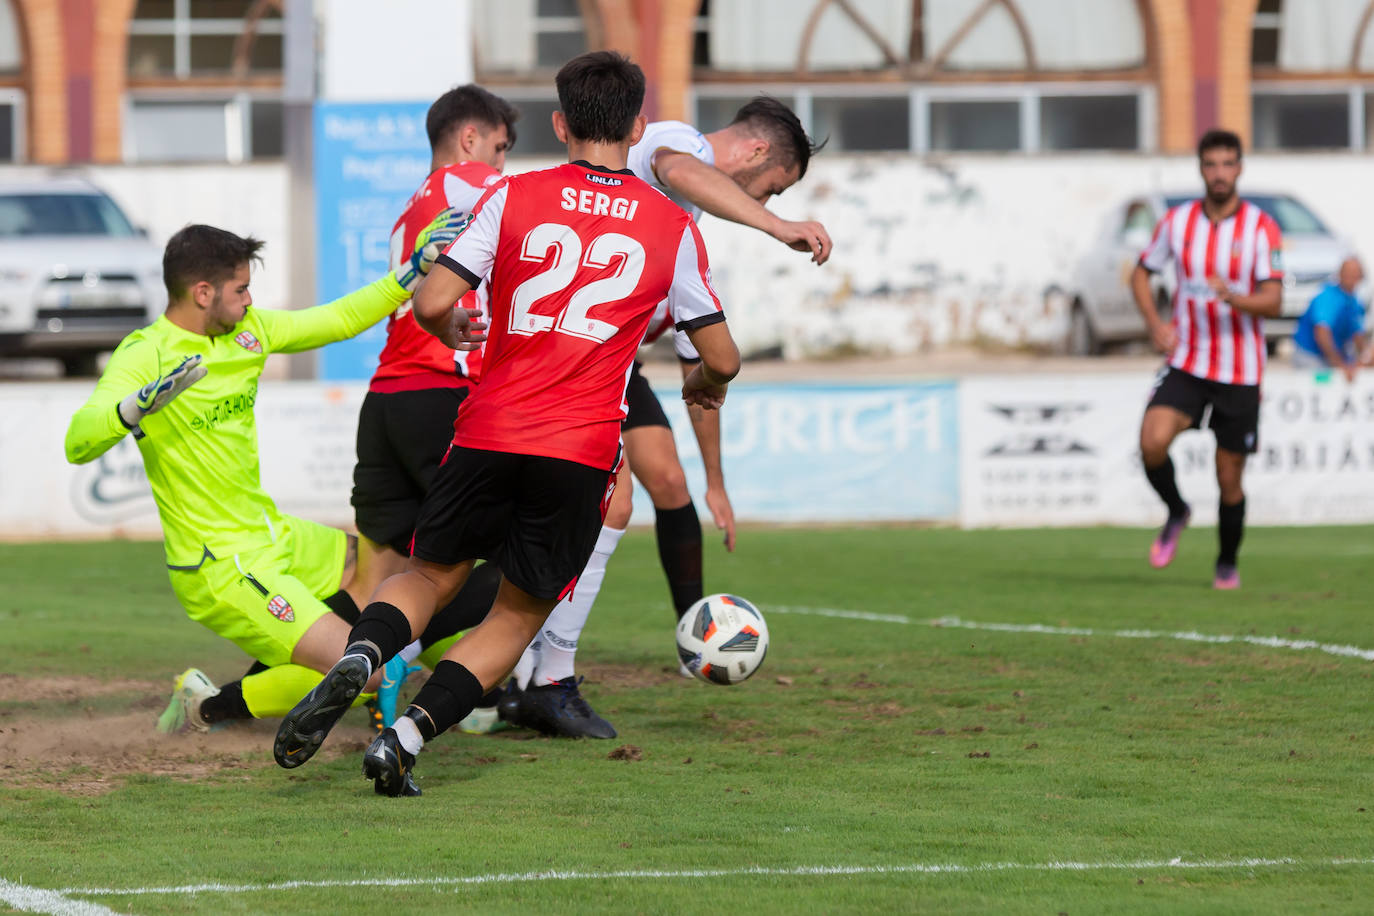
936,74
205,80
1313,85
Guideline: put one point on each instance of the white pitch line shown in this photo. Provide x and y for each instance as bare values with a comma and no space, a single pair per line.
1269,642
800,871
28,899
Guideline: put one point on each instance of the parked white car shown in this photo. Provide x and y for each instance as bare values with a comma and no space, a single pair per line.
75,275
1103,311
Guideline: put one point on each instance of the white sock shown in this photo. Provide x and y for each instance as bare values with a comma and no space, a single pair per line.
364,658
408,734
524,669
411,652
564,626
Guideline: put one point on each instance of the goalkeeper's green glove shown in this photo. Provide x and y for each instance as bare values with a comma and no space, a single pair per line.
158,393
430,243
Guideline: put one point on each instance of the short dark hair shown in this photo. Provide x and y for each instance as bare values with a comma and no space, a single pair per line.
1216,138
464,105
600,95
205,253
789,145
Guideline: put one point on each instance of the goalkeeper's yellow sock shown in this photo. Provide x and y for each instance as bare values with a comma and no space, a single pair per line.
276,691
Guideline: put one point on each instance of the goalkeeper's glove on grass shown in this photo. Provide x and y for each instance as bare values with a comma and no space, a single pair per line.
158,393
430,243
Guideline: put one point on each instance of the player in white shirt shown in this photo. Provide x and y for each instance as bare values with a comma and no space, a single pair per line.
730,173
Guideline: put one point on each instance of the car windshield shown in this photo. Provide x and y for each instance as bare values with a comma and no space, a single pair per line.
1293,218
61,214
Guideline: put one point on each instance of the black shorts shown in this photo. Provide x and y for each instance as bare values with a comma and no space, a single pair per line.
537,517
642,406
402,437
1231,412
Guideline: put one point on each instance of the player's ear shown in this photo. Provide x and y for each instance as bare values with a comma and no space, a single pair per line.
758,149
468,135
637,130
203,293
560,126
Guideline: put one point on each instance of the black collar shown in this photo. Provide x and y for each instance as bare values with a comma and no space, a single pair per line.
600,168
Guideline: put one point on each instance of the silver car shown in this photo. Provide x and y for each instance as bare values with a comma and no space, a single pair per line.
75,275
1103,310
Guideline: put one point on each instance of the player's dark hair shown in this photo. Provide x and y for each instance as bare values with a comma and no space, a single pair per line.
1217,138
467,105
788,143
205,253
600,94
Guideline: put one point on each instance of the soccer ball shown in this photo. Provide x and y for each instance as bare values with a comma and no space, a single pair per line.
722,639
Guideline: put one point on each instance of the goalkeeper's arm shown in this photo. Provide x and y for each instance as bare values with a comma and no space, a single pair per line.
133,385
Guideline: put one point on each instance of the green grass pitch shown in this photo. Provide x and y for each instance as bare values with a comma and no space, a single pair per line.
1104,762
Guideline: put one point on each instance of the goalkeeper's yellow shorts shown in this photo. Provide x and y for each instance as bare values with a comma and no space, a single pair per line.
264,600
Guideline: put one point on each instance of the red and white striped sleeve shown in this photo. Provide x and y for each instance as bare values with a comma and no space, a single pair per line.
464,184
1156,255
474,250
1268,250
691,300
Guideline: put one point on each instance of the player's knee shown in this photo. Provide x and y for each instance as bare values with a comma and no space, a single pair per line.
618,513
1154,449
667,487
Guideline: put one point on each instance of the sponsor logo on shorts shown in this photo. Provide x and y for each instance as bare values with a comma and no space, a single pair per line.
280,608
246,340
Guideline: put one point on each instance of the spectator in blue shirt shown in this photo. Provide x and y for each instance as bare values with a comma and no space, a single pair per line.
1331,331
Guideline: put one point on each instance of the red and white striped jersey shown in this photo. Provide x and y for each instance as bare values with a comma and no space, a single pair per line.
413,359
578,259
1215,341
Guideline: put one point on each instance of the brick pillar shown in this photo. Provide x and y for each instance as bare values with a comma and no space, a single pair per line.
1235,32
47,90
618,28
1173,64
78,40
675,57
110,68
1204,18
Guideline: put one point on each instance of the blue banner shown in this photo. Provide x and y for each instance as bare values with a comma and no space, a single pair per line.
369,159
809,453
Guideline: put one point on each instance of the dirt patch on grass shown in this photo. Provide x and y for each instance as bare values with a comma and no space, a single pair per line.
630,676
91,753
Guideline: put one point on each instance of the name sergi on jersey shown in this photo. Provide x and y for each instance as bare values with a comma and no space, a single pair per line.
577,259
1216,341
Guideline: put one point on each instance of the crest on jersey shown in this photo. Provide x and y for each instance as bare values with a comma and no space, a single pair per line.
280,608
246,340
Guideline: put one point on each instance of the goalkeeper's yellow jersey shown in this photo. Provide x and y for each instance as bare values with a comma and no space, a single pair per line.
201,450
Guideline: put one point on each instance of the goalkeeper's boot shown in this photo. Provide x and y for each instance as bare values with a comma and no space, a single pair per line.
558,709
394,674
1227,577
388,765
1166,544
304,728
190,689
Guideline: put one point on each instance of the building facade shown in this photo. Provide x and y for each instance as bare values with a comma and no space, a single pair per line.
106,81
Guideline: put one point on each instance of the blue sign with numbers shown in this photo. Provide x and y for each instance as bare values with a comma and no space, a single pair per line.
369,159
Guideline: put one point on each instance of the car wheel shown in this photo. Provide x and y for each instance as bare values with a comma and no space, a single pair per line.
1082,339
80,364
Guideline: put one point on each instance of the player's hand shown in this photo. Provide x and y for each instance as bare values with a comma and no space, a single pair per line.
698,392
722,514
807,235
1219,286
467,331
1164,337
1351,369
430,243
158,393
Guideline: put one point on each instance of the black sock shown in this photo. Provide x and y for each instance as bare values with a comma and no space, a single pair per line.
1161,477
679,550
491,698
342,604
225,705
379,634
450,694
1230,529
468,608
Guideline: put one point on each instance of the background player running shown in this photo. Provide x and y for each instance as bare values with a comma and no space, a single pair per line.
1227,256
731,173
186,386
578,258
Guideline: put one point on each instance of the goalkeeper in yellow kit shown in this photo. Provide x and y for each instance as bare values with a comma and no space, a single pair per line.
185,386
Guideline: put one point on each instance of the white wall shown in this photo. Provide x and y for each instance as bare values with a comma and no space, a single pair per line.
927,252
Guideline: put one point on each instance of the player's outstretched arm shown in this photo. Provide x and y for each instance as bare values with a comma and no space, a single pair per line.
1162,334
716,193
433,307
133,385
706,426
705,384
